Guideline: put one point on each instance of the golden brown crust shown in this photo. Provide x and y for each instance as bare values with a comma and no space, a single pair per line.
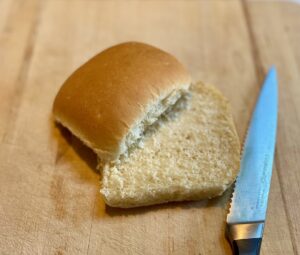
102,99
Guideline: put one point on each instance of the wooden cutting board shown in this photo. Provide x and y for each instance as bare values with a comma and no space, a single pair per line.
49,199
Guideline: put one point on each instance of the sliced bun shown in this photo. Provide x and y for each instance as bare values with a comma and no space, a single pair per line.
195,157
112,99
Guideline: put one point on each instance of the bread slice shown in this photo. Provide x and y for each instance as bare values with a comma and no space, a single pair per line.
110,101
194,157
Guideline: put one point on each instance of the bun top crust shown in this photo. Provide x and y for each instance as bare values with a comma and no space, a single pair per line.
102,100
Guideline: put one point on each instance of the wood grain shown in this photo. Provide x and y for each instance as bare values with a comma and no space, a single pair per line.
49,199
278,43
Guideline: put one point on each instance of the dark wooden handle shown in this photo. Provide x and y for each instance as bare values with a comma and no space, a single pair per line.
246,246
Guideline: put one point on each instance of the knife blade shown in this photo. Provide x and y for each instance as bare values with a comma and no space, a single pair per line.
247,213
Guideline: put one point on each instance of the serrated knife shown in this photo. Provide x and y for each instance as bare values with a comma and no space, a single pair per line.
247,213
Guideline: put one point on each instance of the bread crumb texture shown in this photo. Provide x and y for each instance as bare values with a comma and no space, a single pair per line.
194,157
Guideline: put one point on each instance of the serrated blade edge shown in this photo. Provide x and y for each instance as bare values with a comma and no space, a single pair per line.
250,196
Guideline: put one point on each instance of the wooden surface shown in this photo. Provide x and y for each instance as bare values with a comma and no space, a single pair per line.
49,200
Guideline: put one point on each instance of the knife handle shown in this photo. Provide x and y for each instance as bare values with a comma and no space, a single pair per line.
245,238
246,246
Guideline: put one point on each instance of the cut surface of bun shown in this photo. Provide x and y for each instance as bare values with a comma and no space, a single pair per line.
194,157
111,101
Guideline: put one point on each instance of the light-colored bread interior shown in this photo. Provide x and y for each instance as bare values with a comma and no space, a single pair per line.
111,100
194,157
154,113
